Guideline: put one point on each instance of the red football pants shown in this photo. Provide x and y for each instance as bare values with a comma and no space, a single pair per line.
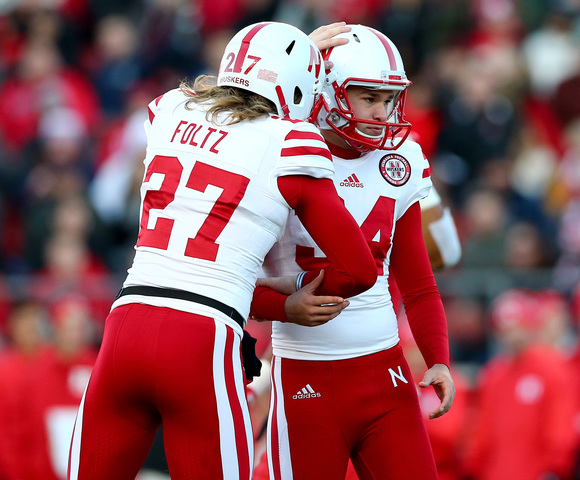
324,412
162,366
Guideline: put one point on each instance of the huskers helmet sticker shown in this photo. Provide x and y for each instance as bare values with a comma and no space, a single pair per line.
395,169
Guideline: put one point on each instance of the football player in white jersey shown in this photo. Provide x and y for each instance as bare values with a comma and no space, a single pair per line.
342,390
224,167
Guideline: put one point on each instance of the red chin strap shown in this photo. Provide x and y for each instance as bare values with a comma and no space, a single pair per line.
282,100
319,104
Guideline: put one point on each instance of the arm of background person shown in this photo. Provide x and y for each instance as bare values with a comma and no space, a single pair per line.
439,232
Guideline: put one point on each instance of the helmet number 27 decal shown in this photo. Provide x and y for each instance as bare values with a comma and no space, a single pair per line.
236,67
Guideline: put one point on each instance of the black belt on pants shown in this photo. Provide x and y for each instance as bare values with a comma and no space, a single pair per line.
183,295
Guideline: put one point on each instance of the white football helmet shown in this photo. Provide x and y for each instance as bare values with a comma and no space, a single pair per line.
370,60
277,61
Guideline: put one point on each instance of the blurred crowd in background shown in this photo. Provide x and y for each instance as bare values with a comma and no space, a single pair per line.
495,104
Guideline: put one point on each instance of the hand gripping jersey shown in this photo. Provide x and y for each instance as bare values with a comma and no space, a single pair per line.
194,167
377,189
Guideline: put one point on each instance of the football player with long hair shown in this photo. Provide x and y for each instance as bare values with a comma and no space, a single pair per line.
225,165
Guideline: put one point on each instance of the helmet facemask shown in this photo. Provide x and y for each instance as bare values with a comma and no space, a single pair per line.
372,56
394,130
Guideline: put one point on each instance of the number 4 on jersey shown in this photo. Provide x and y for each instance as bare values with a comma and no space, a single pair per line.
377,228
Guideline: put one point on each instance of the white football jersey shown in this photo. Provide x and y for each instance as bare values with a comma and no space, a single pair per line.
377,189
210,204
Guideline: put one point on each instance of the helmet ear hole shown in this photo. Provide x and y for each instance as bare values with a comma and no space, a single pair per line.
355,36
290,47
297,95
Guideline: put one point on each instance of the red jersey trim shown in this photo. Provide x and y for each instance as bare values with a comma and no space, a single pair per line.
288,119
296,135
303,151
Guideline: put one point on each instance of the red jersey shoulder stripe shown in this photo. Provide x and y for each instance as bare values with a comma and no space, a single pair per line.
427,171
297,135
151,114
291,120
302,151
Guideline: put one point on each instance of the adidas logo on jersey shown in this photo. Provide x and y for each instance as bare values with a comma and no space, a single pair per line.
306,392
351,181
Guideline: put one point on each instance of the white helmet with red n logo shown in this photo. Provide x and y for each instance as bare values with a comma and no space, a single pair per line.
371,60
277,61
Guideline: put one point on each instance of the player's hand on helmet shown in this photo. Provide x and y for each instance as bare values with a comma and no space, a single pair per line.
309,310
439,377
325,37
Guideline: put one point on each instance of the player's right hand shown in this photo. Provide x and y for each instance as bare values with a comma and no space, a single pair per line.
439,377
325,37
309,310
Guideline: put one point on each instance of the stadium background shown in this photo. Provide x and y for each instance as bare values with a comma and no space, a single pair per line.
494,103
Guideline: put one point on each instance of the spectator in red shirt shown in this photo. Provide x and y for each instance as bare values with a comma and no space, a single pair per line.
525,403
27,349
59,383
574,362
40,83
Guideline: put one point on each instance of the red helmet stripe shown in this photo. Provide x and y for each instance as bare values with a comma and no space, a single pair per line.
390,53
241,56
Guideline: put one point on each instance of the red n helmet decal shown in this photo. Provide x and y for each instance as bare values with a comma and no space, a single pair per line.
315,60
326,55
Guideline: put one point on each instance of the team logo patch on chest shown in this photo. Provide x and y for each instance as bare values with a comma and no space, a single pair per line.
395,169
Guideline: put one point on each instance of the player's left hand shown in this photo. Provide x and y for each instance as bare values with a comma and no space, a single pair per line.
310,310
439,377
